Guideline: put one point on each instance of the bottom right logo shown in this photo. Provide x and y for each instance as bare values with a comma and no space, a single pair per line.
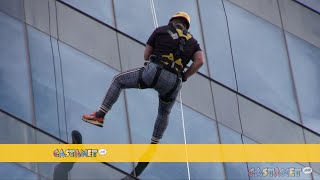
278,172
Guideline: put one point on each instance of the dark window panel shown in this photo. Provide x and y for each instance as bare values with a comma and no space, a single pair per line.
13,8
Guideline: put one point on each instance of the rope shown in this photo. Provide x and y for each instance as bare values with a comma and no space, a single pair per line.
184,133
154,15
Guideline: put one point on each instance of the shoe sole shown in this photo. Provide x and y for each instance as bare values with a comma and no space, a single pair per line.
93,122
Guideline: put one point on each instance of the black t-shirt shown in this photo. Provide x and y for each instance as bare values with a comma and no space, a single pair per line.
164,43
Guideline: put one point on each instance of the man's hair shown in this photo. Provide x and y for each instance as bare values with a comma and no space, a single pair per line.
180,20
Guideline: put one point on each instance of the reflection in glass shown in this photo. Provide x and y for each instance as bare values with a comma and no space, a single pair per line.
94,171
306,71
15,171
233,170
26,134
202,130
43,81
100,9
216,39
14,8
261,61
141,125
15,90
60,90
85,82
195,122
135,21
313,4
61,170
316,175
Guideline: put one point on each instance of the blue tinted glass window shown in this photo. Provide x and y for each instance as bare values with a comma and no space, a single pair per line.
94,171
142,127
233,170
16,171
60,89
15,87
134,18
261,61
146,103
85,82
306,71
43,81
216,39
313,4
202,130
316,175
14,8
100,9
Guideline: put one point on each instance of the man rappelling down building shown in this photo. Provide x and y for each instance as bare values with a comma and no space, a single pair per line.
169,49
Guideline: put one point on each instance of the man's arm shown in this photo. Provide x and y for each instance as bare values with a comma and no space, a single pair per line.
147,52
150,44
195,66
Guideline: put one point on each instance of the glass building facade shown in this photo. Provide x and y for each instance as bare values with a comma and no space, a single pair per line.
259,82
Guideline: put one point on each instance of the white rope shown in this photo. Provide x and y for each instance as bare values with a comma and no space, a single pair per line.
154,16
184,134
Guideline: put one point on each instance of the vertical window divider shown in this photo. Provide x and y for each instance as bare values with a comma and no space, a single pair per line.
34,122
292,77
61,72
124,92
211,88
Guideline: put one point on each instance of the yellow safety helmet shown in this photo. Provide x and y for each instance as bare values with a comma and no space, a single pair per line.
183,15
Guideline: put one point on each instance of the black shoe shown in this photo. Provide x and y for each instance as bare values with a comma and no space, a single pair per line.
76,137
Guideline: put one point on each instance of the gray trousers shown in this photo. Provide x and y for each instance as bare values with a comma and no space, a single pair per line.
130,79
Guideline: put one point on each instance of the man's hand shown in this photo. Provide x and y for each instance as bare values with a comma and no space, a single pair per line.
195,66
146,63
184,79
